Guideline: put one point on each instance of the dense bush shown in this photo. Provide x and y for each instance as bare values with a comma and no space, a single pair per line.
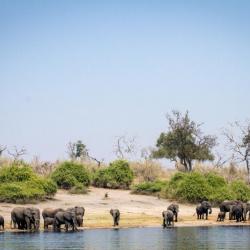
149,187
19,184
196,186
79,189
69,174
241,190
117,175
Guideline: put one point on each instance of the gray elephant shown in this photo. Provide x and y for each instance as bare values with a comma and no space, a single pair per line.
1,222
203,208
50,214
66,218
175,209
79,211
26,218
246,209
116,216
237,212
168,218
226,206
47,222
221,216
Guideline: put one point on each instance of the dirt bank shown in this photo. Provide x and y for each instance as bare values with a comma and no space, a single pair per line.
136,210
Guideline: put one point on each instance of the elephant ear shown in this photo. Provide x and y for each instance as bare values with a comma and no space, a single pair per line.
163,214
111,211
28,212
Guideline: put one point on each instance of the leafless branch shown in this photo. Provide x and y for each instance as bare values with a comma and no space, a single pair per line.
17,153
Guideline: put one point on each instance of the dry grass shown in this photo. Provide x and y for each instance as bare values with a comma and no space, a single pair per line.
150,170
230,172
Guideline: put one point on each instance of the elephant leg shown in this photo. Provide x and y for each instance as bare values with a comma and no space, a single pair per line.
164,223
206,215
66,227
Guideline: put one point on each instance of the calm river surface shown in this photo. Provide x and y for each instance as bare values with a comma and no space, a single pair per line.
134,238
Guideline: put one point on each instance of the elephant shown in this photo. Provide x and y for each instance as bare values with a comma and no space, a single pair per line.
116,216
246,209
226,206
26,218
67,218
203,208
175,209
237,212
1,222
168,218
50,214
48,221
221,216
79,211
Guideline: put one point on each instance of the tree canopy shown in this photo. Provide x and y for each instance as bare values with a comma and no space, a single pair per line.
184,142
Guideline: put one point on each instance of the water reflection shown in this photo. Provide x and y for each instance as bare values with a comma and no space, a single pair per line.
134,238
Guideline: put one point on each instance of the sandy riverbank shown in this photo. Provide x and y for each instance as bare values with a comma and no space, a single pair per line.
136,210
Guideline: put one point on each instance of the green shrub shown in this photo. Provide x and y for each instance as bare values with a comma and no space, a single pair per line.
78,189
117,175
215,181
15,173
193,188
19,184
240,190
69,174
149,187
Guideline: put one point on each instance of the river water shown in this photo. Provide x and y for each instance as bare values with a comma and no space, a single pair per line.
133,238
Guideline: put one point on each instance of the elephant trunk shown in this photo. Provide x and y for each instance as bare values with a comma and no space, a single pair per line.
210,210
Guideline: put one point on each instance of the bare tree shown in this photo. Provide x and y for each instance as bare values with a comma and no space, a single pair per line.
2,149
239,143
220,160
125,146
17,153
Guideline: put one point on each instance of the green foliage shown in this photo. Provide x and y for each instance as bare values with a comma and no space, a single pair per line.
149,187
19,184
196,186
69,174
241,190
117,175
184,142
78,189
16,173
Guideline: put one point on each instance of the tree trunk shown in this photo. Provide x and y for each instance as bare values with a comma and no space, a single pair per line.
248,171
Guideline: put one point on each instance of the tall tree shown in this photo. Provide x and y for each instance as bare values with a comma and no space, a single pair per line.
77,150
184,142
239,143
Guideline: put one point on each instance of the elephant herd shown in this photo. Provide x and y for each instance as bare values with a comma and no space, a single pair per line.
28,218
237,211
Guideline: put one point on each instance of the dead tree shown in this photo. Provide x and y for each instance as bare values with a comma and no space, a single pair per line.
17,153
125,146
2,149
239,144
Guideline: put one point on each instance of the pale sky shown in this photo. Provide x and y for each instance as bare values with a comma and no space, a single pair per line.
94,70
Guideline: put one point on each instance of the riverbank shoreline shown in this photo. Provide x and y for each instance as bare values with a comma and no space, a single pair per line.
137,211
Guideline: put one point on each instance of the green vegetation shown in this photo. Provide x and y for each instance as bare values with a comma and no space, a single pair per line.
149,188
117,175
19,184
196,186
70,174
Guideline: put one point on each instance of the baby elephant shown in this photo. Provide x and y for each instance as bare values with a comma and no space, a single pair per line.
116,216
1,222
168,218
221,216
48,221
